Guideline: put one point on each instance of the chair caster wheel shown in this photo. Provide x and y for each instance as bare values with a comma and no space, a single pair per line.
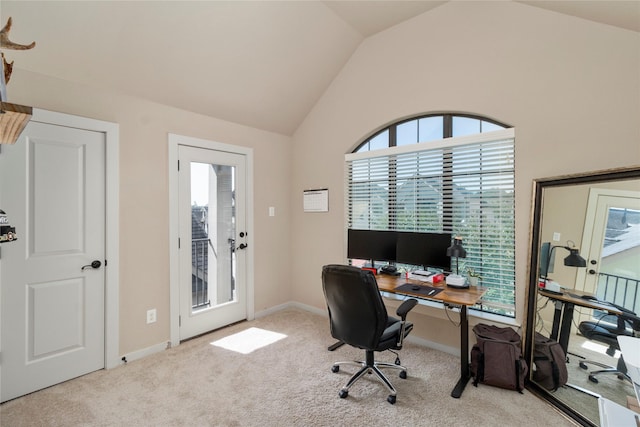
403,375
620,377
397,362
335,368
583,365
391,399
593,379
343,394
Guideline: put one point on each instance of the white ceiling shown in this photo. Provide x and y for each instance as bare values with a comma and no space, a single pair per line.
262,64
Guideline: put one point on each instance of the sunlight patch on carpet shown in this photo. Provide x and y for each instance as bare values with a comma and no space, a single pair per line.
248,340
598,348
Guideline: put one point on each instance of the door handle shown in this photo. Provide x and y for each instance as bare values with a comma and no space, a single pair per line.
242,246
592,271
94,264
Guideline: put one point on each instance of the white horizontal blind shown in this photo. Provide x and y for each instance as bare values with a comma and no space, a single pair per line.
460,185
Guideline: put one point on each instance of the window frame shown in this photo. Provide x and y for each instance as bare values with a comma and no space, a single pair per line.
447,127
446,144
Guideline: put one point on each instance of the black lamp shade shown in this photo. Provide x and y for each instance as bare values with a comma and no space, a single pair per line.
574,259
456,249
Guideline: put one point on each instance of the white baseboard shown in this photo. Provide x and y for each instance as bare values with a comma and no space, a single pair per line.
157,348
291,304
455,351
139,354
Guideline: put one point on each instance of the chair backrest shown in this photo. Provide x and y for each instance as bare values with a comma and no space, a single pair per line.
357,314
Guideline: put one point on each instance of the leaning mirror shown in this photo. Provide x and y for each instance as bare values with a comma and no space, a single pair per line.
583,289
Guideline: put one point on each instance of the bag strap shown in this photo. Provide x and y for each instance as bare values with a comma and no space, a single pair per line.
480,370
555,374
518,367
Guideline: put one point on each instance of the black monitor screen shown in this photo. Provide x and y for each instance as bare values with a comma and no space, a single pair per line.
424,249
546,264
373,245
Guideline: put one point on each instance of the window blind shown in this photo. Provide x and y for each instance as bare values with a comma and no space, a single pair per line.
460,185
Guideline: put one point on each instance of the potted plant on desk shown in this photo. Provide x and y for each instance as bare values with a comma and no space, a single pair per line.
474,276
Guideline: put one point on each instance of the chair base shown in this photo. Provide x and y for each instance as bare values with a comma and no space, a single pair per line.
620,371
370,367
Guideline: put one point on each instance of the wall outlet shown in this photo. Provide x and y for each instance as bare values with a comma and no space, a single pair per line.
151,316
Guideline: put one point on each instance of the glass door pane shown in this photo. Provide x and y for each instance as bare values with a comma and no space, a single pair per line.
213,230
619,271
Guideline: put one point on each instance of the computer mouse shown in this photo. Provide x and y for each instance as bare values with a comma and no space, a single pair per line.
415,287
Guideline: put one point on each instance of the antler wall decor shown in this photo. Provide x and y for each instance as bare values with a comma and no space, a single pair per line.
13,117
5,43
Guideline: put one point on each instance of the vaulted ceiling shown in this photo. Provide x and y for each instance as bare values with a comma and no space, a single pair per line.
262,64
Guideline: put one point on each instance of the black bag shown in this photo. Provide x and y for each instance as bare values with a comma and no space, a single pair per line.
496,359
550,363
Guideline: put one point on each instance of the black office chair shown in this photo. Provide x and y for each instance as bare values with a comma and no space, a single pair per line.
358,317
628,323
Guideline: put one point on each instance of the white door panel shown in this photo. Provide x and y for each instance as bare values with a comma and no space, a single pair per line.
52,186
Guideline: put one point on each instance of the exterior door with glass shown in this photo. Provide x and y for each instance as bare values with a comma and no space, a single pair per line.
612,246
213,239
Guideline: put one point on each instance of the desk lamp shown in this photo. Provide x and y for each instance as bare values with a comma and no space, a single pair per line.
456,250
572,260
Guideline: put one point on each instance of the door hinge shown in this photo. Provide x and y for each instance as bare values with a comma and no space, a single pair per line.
178,165
105,262
178,243
179,320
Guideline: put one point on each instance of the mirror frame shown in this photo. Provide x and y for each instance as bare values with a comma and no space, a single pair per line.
539,186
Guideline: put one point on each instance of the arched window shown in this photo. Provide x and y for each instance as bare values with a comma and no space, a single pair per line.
429,128
443,173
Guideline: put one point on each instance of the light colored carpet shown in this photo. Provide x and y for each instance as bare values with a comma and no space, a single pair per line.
608,386
287,383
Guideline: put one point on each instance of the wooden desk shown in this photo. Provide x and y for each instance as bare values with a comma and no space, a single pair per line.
563,314
461,298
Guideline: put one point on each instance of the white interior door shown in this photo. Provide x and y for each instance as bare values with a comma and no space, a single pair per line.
52,186
213,239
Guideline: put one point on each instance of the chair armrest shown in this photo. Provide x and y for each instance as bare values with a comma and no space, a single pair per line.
406,307
627,317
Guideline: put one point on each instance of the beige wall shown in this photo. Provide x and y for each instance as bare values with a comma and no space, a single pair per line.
144,196
569,87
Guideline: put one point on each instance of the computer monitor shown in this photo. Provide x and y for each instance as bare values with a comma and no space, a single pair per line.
371,245
424,249
546,264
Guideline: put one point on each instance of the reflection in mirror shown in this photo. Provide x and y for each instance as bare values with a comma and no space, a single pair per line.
584,287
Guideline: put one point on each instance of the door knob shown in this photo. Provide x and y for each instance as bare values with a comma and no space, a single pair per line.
94,264
242,246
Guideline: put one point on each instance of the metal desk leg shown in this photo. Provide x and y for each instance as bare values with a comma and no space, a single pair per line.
557,315
565,328
465,374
